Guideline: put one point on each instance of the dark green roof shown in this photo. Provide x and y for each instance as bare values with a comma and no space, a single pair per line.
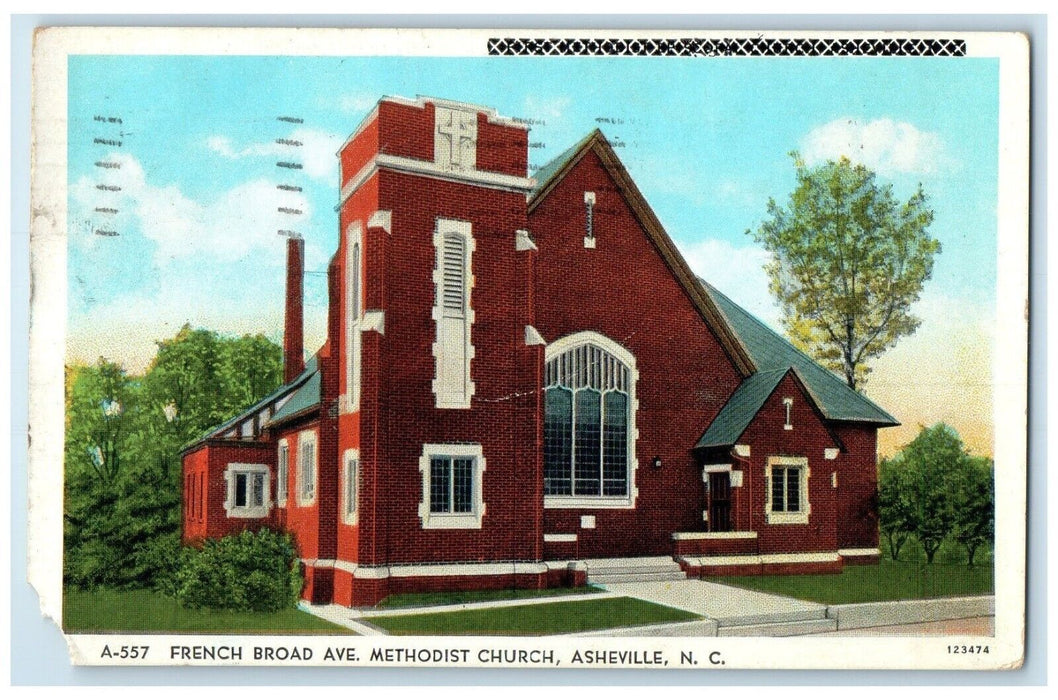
311,369
306,397
738,412
771,352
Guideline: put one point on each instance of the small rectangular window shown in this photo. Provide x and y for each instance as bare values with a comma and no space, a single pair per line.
350,486
306,468
452,488
788,490
247,491
240,490
282,473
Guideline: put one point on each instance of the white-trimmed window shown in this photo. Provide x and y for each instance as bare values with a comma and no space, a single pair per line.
248,492
452,486
452,314
282,473
354,313
307,463
589,423
350,485
787,496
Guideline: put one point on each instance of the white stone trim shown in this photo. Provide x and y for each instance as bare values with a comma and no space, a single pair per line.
533,337
574,340
589,242
714,469
865,552
382,219
364,123
486,569
233,511
587,522
282,480
743,450
447,393
374,320
455,137
799,558
452,521
800,517
480,178
306,437
421,101
559,537
425,168
346,566
350,515
732,535
354,241
787,403
363,175
754,559
371,572
432,570
522,241
830,452
589,198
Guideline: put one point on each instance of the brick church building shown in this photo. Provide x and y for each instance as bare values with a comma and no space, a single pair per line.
522,381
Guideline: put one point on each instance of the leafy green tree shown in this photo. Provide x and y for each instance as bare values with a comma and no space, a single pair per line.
975,521
933,465
849,260
895,507
123,441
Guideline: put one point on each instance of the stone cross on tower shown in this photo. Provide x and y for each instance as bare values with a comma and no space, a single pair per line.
455,138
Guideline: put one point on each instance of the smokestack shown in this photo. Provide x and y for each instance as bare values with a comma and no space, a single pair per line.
293,330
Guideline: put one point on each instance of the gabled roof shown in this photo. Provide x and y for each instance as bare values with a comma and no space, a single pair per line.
548,177
308,375
740,409
306,397
772,352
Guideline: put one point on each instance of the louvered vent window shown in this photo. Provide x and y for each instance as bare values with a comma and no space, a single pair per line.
453,275
453,314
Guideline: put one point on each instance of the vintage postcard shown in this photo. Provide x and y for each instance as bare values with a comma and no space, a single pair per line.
530,349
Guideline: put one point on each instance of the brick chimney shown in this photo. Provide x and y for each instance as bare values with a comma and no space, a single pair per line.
293,330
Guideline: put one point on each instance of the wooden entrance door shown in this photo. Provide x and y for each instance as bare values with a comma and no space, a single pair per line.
720,501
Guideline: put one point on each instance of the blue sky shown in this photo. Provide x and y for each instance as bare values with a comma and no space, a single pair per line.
705,138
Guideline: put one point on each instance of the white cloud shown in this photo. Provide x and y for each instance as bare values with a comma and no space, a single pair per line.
545,108
356,104
883,145
238,222
738,272
317,152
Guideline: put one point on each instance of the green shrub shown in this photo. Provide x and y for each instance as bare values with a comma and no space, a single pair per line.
258,571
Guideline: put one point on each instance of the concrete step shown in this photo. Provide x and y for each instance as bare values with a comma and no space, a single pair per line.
792,628
606,570
636,576
632,565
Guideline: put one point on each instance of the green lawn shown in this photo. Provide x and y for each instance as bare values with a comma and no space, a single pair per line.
150,612
887,580
537,619
416,600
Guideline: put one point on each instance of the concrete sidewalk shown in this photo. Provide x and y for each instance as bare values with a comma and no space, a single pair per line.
727,605
731,611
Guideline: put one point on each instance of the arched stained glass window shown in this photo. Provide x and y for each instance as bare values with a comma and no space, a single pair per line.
587,422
